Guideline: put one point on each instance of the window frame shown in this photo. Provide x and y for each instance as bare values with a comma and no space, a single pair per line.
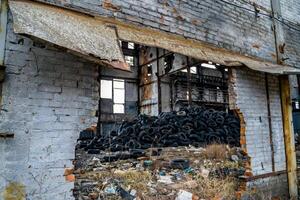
113,93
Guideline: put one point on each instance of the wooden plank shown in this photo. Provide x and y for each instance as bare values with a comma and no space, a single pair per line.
289,140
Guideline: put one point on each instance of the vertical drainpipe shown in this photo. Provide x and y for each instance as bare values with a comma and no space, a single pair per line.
190,101
139,80
286,105
99,122
270,121
3,24
158,82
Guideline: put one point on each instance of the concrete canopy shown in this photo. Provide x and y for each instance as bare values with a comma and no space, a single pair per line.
98,36
79,33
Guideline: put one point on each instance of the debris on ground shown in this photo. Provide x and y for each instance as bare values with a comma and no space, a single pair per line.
182,173
192,154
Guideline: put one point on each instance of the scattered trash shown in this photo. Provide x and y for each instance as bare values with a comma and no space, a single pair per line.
205,173
147,163
184,195
165,179
188,170
234,158
180,164
111,189
124,194
133,192
162,173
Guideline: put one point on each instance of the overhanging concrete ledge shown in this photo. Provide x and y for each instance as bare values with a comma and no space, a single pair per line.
77,32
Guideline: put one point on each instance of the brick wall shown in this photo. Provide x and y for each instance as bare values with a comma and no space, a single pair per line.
215,22
290,10
249,94
269,188
251,99
48,97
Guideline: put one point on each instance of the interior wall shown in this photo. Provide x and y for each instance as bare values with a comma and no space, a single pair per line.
49,96
149,81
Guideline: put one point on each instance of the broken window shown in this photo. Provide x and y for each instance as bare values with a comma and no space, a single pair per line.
193,70
130,45
129,60
168,63
208,65
118,95
149,70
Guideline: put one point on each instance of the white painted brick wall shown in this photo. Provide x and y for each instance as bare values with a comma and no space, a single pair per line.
251,99
269,188
49,96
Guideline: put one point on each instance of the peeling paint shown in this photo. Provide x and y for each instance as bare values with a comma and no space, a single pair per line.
256,46
107,4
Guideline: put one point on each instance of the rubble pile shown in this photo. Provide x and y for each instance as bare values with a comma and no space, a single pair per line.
181,173
191,126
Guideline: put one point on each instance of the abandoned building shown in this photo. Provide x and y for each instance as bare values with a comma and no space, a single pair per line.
73,64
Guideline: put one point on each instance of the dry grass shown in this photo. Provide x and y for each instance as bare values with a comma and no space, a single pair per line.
137,180
210,188
216,151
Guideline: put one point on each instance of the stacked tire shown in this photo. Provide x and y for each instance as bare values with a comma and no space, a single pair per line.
194,126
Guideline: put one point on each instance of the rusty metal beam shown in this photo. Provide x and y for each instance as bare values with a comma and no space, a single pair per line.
263,176
289,140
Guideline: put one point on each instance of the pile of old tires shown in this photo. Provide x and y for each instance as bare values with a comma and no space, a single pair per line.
194,126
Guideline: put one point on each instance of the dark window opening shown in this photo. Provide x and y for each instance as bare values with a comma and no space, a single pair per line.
149,70
168,63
